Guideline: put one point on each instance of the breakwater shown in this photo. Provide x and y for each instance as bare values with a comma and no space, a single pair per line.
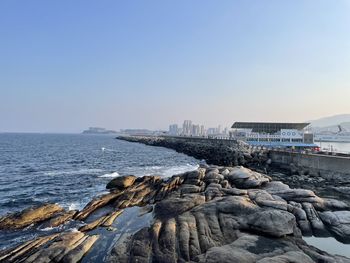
213,151
232,152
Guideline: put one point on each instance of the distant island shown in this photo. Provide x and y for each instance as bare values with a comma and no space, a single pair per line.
97,130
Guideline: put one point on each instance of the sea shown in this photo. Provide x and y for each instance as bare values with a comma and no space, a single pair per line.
70,169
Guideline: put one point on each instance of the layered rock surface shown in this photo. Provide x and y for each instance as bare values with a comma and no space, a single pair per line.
213,214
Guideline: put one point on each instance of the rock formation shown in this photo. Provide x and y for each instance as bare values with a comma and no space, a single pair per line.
213,214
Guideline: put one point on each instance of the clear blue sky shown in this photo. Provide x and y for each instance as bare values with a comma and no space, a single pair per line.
67,65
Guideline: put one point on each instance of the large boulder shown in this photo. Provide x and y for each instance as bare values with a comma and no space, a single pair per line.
194,177
272,222
174,206
264,199
246,178
121,182
251,248
338,223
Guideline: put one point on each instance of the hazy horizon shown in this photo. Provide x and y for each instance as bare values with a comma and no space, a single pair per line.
66,66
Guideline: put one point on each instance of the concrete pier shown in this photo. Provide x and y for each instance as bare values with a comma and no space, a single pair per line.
326,166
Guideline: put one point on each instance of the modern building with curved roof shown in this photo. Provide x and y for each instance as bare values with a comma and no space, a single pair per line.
273,134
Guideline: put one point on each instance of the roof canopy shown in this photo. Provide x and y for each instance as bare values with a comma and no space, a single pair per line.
268,127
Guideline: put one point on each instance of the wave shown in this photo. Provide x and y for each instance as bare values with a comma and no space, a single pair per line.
109,175
168,171
104,149
74,206
180,169
47,229
155,167
73,172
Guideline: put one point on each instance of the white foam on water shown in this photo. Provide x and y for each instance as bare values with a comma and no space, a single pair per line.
155,167
73,172
109,175
74,206
179,169
167,171
73,230
104,149
47,229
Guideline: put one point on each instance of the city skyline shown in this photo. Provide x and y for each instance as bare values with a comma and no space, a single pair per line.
189,128
67,66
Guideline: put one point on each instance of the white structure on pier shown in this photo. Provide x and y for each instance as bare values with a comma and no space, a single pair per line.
272,134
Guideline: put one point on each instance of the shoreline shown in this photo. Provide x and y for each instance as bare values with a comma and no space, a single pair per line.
219,152
228,203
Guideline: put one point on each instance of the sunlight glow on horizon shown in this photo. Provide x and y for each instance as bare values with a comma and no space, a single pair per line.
66,66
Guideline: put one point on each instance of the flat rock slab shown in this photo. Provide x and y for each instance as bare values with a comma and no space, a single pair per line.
30,216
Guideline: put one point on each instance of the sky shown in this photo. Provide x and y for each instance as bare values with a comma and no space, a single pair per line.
68,65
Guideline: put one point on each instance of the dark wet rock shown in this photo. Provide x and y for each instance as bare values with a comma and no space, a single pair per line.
316,223
331,204
29,216
95,204
111,218
121,182
60,218
145,210
93,225
338,222
301,217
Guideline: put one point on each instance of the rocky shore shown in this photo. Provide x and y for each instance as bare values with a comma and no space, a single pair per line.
213,214
232,153
217,213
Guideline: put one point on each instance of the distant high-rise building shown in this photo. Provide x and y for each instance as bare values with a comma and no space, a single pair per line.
173,129
195,130
191,129
202,131
212,131
219,131
187,127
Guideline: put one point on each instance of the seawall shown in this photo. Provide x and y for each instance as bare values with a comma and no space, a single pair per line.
327,166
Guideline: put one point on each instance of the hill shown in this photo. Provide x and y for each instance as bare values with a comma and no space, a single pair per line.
326,122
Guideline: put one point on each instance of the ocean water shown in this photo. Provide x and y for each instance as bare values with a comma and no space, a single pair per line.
72,169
